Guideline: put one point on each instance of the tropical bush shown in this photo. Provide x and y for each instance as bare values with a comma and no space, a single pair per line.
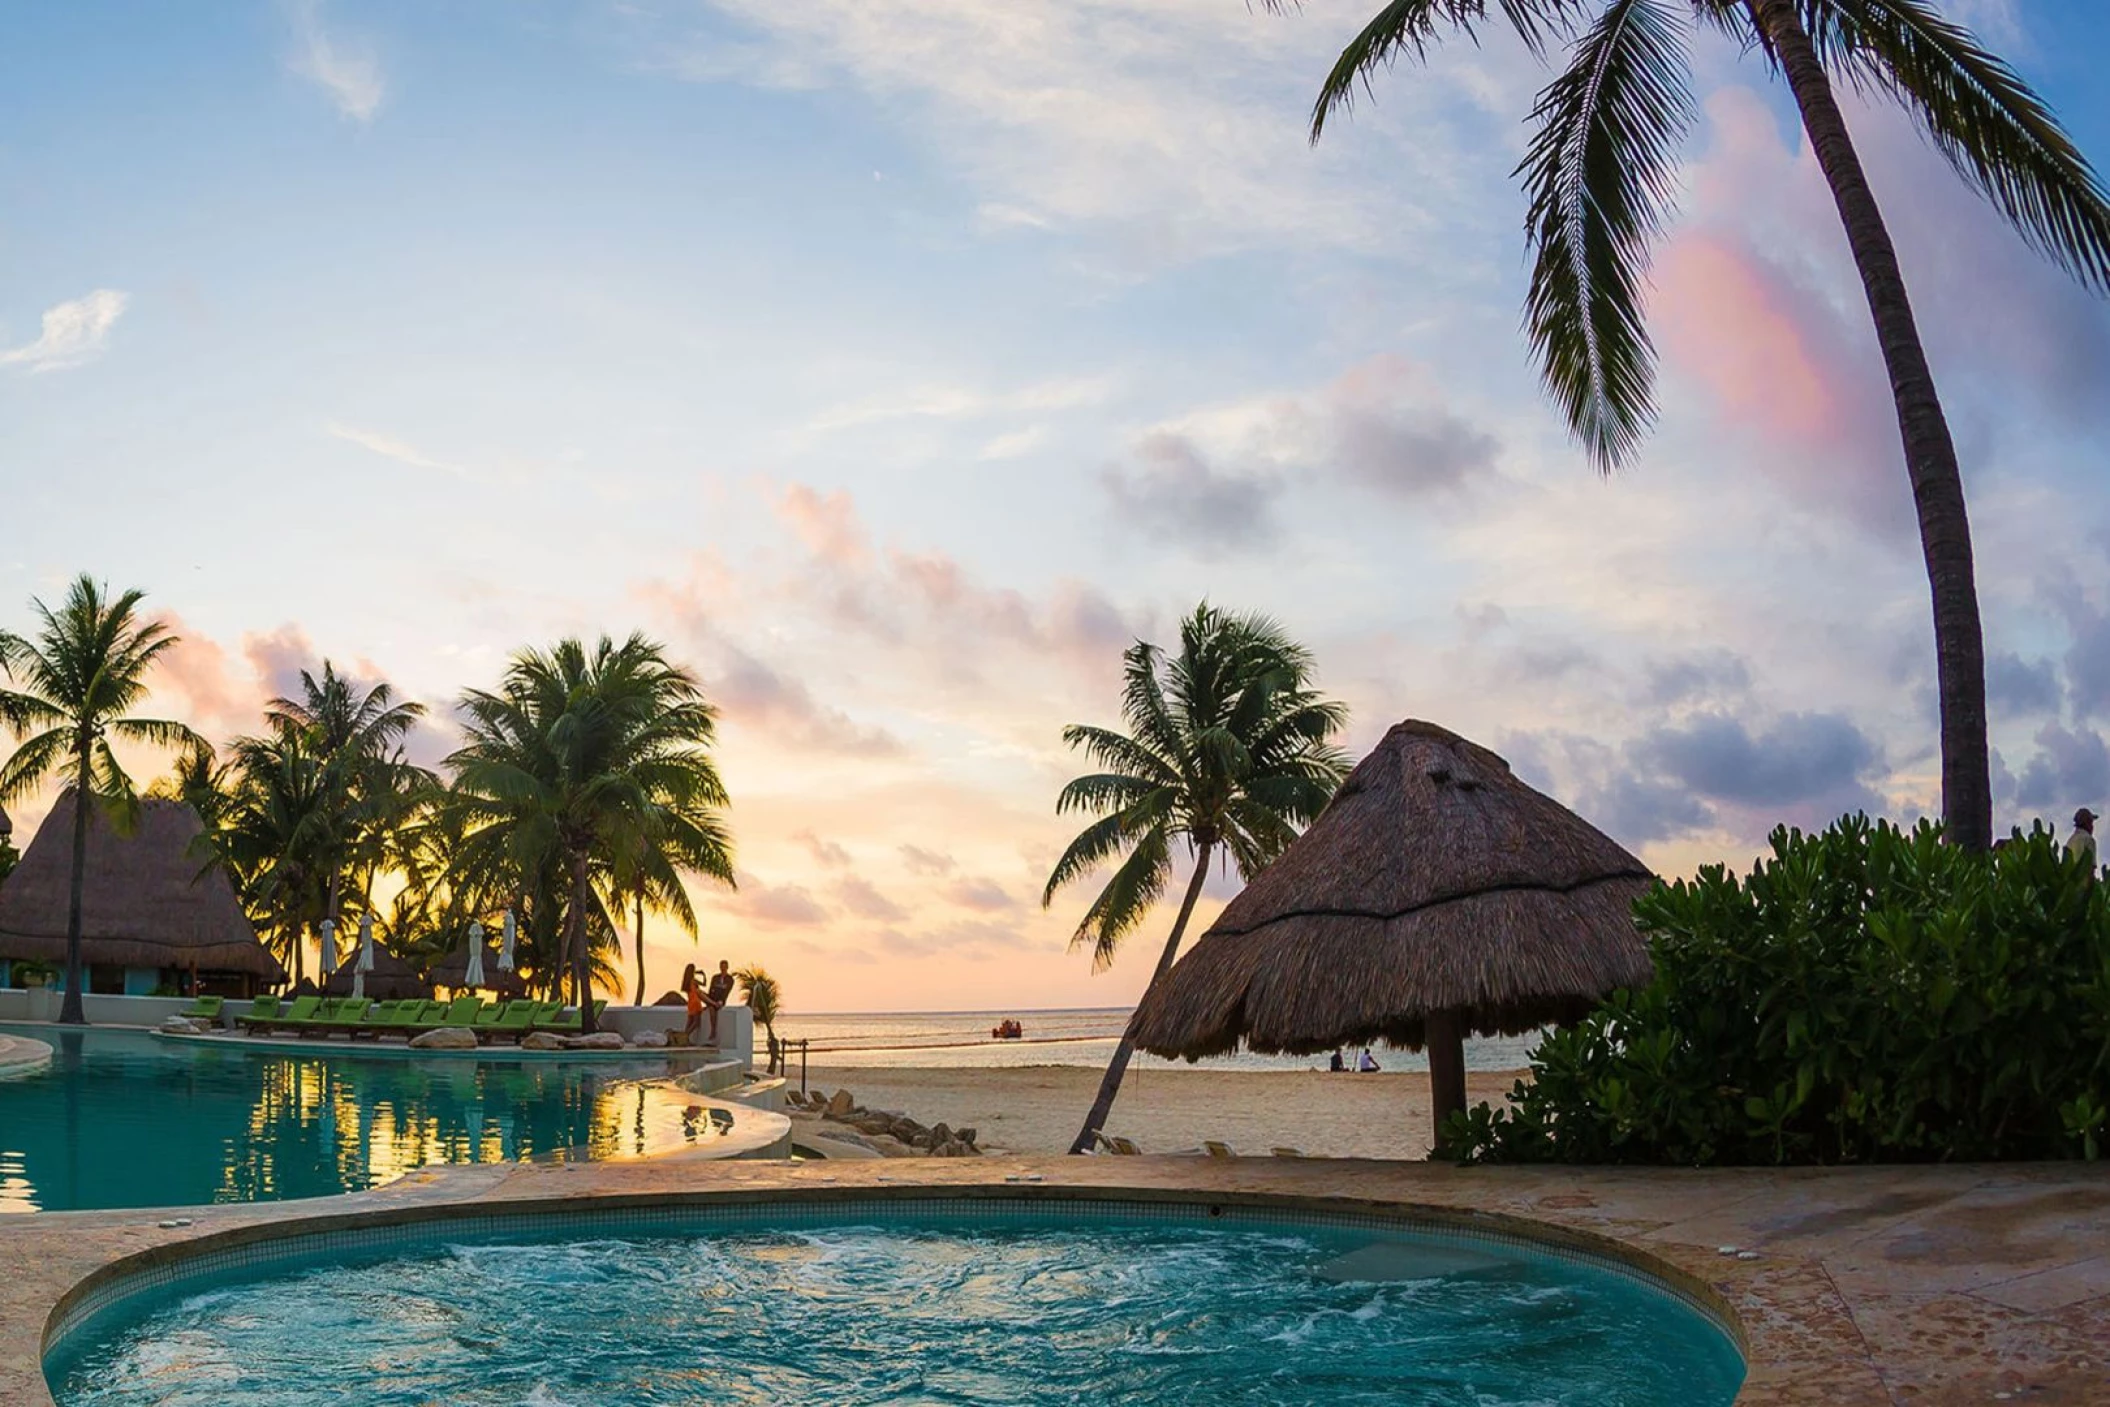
1865,995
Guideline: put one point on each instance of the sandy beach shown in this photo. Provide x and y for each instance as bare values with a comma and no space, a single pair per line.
1037,1109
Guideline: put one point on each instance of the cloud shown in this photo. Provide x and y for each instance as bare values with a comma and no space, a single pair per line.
750,690
1712,675
985,895
864,900
2071,768
390,448
345,70
1798,758
1173,490
928,863
2020,688
775,906
826,524
826,853
1389,434
72,334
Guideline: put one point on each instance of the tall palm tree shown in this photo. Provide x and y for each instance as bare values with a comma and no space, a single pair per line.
1600,176
358,735
272,836
1227,750
77,683
597,761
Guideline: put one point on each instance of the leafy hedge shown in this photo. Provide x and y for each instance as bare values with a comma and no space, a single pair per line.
1866,995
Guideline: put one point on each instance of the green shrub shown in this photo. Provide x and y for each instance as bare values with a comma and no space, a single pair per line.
1866,995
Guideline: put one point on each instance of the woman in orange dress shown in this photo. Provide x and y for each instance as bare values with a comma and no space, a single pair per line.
694,994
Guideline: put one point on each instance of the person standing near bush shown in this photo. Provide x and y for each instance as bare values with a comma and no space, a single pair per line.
2082,842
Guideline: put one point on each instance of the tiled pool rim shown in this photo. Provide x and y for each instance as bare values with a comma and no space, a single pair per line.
292,1245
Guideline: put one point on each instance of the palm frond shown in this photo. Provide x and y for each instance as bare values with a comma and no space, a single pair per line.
1600,173
1980,114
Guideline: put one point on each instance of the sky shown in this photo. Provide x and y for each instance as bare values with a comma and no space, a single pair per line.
898,365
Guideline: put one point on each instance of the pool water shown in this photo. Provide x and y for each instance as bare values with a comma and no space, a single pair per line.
123,1119
855,1306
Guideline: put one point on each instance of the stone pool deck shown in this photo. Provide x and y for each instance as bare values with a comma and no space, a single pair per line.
20,1054
1880,1285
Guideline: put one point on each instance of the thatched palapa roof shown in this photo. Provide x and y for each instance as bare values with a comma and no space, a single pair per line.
1436,881
453,971
143,901
391,980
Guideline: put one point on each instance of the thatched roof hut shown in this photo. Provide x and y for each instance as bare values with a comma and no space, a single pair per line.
453,971
391,980
144,903
1436,896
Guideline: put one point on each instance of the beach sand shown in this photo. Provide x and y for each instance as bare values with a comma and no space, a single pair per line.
1037,1109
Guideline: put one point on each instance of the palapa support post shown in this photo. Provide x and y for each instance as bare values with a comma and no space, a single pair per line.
1444,1040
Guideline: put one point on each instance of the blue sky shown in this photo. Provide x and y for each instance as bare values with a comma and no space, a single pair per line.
898,364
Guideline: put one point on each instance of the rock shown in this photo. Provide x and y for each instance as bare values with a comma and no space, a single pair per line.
653,1039
925,1140
965,1136
842,1104
905,1129
182,1026
952,1148
940,1132
538,1040
446,1038
597,1040
874,1125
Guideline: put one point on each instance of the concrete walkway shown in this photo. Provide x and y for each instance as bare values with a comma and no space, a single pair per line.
1869,1286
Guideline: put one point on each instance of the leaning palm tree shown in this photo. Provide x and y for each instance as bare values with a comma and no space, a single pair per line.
596,761
271,835
1227,751
76,685
1600,176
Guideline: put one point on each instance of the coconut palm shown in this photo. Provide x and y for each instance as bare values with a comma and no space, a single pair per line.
1600,174
596,761
1226,753
367,784
271,834
76,685
759,990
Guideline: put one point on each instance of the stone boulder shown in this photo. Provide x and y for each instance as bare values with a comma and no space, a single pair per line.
940,1133
965,1136
652,1039
446,1038
538,1040
905,1129
182,1026
841,1104
597,1040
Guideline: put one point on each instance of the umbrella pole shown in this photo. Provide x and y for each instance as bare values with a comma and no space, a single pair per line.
1445,1041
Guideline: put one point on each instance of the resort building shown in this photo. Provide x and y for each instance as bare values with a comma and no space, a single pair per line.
152,918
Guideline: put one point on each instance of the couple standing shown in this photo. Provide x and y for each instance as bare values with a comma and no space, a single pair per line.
699,997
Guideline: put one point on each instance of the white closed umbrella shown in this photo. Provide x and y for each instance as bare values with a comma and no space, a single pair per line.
474,977
505,945
366,955
329,947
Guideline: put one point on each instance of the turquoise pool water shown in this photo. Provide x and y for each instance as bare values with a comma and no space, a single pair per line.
122,1119
954,1303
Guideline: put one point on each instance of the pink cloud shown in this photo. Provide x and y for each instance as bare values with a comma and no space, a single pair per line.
827,524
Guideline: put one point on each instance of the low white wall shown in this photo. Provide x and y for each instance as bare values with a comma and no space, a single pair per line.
736,1025
42,1004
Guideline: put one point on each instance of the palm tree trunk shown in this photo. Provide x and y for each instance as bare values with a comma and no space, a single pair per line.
640,1000
581,896
1930,453
71,1011
1110,1083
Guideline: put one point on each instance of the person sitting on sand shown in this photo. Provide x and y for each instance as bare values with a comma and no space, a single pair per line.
1364,1065
720,993
694,994
1337,1065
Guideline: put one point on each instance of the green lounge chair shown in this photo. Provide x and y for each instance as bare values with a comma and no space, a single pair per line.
204,1009
348,1016
546,1016
411,1016
515,1020
318,1021
376,1020
262,1012
292,1018
571,1025
462,1013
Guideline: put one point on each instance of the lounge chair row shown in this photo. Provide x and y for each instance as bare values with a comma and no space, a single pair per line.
356,1017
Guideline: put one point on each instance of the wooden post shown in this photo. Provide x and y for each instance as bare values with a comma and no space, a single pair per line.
1445,1043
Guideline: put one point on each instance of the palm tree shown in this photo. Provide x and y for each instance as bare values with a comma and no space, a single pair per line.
1227,750
1600,176
271,835
367,784
78,683
595,763
760,991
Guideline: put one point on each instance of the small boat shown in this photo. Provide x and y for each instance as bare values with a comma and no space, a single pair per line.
1007,1030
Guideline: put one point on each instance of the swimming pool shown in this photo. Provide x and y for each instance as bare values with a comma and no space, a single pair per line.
120,1118
954,1300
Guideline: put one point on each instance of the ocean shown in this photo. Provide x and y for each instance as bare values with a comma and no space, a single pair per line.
949,1040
